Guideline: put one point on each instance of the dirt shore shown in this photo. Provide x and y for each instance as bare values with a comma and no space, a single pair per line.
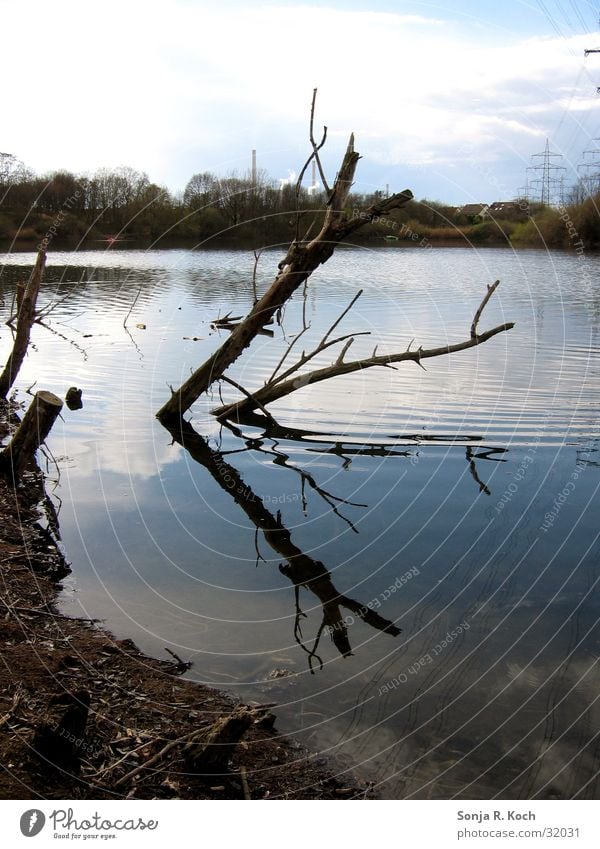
129,742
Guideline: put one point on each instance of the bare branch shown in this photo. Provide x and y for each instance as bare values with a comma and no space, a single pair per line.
490,291
248,396
131,308
341,316
302,259
340,359
285,385
322,346
287,352
257,255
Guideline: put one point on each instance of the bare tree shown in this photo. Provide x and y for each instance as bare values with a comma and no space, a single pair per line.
303,257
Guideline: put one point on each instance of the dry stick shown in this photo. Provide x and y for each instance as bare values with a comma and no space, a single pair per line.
341,316
132,307
317,147
314,155
155,758
249,396
18,696
257,255
490,291
322,346
37,612
96,775
244,780
305,358
287,352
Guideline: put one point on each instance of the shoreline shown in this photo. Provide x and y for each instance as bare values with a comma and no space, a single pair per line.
138,705
10,248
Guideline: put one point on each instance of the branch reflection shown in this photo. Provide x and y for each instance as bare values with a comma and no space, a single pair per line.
300,569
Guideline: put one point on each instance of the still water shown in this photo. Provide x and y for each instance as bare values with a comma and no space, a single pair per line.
439,632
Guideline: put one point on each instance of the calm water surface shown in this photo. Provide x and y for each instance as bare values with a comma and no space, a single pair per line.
458,504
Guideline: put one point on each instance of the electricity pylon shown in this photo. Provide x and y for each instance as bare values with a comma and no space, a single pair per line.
549,184
589,169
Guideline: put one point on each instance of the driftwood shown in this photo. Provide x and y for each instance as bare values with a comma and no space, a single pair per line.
292,379
31,433
302,258
25,316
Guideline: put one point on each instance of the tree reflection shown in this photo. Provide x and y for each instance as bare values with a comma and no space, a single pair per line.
299,568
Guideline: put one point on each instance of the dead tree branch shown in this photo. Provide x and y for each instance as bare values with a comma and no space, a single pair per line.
302,259
285,384
322,346
26,303
490,291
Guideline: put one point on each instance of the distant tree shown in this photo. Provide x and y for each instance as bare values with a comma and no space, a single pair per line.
61,190
12,170
113,191
201,190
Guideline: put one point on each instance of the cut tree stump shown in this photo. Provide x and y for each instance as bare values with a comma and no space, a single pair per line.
210,752
31,433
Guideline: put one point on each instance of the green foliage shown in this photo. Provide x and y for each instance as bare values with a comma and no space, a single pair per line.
545,228
122,201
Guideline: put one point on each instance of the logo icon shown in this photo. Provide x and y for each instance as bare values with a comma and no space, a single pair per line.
32,822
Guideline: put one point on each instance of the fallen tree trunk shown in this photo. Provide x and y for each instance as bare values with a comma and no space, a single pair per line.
31,433
302,259
26,304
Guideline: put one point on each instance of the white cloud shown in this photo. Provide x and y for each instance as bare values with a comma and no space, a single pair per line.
172,87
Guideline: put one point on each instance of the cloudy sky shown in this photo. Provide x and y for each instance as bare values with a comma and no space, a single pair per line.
449,98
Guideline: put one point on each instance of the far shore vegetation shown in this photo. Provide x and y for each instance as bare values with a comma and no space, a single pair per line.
74,210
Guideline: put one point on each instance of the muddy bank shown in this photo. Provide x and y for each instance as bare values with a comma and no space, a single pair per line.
129,742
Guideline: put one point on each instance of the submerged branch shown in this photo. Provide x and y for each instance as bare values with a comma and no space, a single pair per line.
282,386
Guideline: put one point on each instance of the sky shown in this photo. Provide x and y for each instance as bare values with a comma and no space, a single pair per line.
447,98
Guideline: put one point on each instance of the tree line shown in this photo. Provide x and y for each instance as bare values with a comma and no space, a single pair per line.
123,202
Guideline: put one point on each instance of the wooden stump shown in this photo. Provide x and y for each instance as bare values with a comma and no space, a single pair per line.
209,753
31,433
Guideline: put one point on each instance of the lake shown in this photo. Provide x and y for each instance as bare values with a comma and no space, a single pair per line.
439,633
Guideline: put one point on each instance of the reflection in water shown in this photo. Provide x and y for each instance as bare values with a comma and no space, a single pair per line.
302,570
505,541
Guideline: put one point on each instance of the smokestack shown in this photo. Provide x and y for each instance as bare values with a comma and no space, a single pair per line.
254,168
